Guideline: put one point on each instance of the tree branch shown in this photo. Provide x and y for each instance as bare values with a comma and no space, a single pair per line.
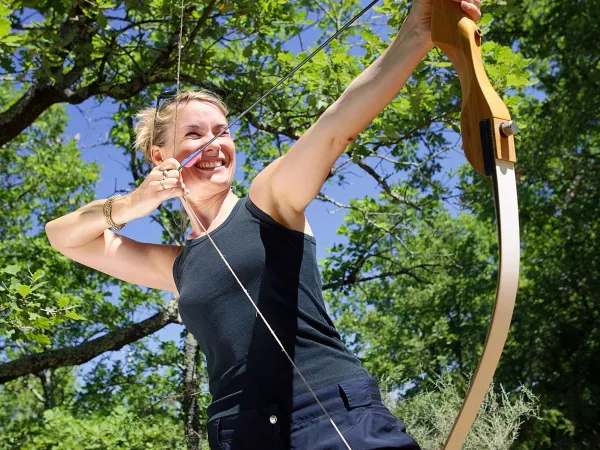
71,356
46,91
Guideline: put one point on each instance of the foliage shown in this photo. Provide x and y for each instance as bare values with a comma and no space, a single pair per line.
123,428
129,403
45,177
411,278
554,343
28,309
418,288
429,416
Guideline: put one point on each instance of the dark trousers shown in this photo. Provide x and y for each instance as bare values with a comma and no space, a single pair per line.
354,405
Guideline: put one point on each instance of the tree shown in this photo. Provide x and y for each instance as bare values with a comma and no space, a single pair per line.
411,283
556,332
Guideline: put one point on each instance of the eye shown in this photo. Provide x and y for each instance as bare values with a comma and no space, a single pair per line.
193,133
225,131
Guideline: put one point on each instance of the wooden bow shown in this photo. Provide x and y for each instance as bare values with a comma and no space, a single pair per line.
488,142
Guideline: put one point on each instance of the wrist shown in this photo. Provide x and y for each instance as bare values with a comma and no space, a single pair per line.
419,32
121,210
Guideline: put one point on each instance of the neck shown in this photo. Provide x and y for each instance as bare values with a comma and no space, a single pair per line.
208,210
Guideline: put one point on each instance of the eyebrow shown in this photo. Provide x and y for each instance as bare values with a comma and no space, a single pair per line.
193,126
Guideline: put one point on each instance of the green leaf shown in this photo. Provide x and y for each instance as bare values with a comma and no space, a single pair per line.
13,40
339,58
38,274
101,20
73,315
12,270
38,285
518,81
24,290
63,301
285,57
41,339
42,322
442,64
247,52
4,27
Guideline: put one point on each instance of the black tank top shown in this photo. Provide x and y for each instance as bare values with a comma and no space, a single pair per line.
278,267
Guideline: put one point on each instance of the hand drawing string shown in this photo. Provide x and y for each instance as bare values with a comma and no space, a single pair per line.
184,200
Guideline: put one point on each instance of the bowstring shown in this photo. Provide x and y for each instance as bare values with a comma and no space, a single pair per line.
183,222
221,255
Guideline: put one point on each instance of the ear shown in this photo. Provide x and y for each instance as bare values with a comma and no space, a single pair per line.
156,155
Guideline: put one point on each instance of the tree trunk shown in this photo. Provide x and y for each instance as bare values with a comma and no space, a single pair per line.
193,439
45,377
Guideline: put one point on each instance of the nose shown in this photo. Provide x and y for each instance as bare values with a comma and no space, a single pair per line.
213,147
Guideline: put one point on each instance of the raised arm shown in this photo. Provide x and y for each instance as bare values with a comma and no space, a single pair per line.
287,186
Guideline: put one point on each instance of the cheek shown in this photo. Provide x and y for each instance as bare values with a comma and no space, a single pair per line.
231,153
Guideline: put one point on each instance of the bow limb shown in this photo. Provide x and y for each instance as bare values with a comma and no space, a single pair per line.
488,142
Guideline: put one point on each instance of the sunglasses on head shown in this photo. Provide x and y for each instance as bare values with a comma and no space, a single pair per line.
165,97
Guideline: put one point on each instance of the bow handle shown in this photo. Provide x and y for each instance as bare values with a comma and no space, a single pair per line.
460,39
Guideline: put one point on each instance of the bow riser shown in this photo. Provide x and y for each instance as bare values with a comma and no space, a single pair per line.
460,39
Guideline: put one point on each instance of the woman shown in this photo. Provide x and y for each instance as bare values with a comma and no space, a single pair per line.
259,400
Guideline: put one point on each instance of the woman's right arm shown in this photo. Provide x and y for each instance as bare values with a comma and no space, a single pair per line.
85,237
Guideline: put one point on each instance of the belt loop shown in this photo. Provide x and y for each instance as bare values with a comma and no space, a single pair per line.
355,393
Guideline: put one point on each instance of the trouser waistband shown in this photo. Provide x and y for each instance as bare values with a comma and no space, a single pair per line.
348,394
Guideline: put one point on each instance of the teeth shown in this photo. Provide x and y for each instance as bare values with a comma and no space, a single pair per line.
209,164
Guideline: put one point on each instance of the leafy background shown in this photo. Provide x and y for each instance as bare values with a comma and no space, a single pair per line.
89,362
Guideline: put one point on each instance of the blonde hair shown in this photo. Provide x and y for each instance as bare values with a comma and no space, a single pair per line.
153,128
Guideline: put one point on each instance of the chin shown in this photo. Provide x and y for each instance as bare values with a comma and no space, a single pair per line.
207,185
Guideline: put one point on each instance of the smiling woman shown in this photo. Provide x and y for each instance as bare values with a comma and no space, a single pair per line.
259,248
174,130
154,125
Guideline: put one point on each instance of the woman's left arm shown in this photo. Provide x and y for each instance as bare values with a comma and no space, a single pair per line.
292,182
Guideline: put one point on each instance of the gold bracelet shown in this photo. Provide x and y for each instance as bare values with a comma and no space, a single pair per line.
107,213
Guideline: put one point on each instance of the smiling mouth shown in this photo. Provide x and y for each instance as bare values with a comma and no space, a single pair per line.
209,164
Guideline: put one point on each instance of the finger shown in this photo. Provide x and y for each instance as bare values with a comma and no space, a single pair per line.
172,188
168,164
161,186
171,174
477,3
176,192
163,174
471,10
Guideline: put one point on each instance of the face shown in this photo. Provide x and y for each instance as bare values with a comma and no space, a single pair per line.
197,123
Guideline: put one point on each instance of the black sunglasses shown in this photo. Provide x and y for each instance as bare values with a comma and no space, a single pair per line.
167,96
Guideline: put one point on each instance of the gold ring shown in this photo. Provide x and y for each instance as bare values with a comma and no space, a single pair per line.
162,185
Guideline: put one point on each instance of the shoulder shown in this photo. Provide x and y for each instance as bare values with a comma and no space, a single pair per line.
266,199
